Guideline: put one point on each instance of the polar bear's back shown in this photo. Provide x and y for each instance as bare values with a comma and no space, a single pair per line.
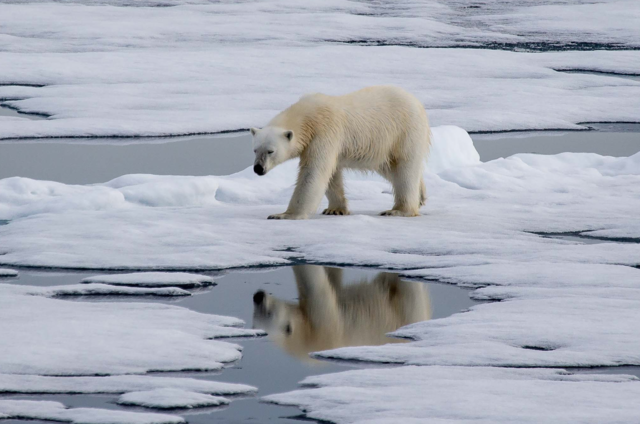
376,123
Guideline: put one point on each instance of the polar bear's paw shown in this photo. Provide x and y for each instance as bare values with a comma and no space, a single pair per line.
396,212
336,211
286,216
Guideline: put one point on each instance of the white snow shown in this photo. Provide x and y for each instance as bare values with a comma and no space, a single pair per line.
475,230
116,384
221,66
6,272
55,411
56,337
170,399
451,147
208,67
476,214
103,290
152,279
466,395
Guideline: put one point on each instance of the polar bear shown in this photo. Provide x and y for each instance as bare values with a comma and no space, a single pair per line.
329,314
383,129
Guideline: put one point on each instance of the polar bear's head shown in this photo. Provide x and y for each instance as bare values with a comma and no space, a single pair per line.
278,317
272,146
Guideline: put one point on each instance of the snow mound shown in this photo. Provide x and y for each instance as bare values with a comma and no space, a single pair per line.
55,411
152,279
5,272
109,338
171,399
466,395
451,147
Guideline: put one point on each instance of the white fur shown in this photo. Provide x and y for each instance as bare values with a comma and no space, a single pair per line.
382,129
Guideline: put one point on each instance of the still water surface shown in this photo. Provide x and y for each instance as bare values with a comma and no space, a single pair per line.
88,161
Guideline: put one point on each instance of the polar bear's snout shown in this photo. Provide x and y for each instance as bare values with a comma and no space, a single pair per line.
259,296
258,169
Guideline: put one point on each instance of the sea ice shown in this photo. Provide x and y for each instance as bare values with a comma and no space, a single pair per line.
171,399
6,272
466,395
156,73
219,66
57,337
116,384
478,90
481,227
55,411
152,279
104,290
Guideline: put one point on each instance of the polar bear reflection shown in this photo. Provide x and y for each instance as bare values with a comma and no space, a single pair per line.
329,314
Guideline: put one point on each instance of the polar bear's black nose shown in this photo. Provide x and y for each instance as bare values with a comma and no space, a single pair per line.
258,298
258,169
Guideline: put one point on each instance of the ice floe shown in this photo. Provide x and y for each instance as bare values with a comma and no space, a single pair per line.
478,90
6,272
115,384
171,399
477,213
214,67
104,290
56,411
152,279
480,228
466,395
57,337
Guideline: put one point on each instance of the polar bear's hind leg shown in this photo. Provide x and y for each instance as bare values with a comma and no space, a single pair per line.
406,179
423,192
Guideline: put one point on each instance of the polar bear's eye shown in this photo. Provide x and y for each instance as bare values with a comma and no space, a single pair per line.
287,329
270,152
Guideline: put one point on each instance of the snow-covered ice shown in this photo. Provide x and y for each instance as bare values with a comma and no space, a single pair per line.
154,95
478,229
199,68
56,411
171,399
208,67
152,279
477,213
103,290
466,395
6,272
57,337
115,384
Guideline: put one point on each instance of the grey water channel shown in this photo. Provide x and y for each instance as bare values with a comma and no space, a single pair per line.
98,160
278,362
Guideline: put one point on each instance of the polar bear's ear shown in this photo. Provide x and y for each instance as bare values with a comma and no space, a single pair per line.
254,130
288,135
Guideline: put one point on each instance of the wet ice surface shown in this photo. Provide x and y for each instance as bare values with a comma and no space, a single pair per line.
266,363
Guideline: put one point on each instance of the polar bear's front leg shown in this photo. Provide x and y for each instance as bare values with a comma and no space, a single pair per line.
313,179
335,194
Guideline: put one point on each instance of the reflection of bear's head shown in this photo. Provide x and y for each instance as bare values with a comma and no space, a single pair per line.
272,146
329,314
